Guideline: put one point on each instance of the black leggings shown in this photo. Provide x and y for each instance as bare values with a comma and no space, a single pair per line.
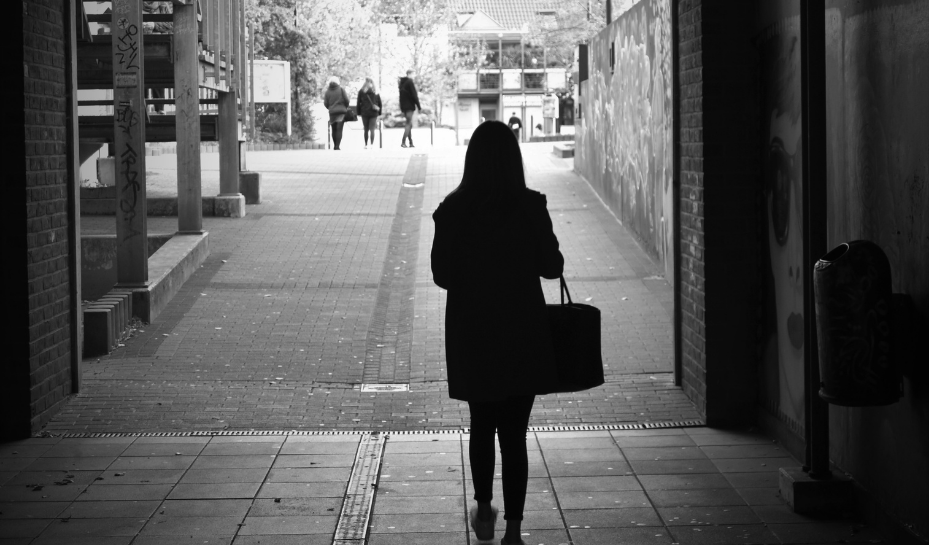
337,133
368,128
509,418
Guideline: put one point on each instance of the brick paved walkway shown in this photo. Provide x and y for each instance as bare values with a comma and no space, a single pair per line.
317,289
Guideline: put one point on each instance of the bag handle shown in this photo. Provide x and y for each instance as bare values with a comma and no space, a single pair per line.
564,290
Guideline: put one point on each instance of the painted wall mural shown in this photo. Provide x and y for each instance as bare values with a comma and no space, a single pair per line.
624,141
782,392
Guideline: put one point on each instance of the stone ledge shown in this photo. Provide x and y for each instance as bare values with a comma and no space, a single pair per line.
564,150
99,205
168,269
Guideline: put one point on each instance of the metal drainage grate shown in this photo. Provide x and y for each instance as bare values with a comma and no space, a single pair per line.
384,388
256,433
360,492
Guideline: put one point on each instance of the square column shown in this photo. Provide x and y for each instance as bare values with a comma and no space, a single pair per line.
186,91
130,111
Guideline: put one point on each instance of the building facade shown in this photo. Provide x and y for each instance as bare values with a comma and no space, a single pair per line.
512,75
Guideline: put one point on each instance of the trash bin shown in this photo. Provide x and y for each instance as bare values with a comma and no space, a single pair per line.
853,326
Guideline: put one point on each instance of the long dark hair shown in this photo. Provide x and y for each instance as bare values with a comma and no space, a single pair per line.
493,168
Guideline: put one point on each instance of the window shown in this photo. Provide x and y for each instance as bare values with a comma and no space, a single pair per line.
534,81
489,81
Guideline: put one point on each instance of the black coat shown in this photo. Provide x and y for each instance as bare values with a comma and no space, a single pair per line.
364,102
408,95
489,259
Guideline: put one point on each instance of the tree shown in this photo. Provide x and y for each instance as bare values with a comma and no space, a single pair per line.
573,23
424,22
319,39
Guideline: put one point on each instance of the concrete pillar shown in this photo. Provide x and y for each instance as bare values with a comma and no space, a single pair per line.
130,111
186,87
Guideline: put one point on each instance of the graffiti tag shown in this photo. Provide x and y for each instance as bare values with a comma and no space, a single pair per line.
127,117
128,47
131,189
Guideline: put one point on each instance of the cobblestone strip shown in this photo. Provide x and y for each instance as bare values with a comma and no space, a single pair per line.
388,343
360,492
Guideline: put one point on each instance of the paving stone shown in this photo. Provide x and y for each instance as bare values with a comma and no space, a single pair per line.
78,450
683,482
332,489
40,493
139,476
301,525
723,534
31,509
764,479
318,448
125,463
603,500
25,528
424,473
585,455
313,461
408,523
83,540
111,509
162,525
219,476
667,467
761,496
452,538
186,540
241,449
164,449
314,539
308,475
389,505
421,488
70,464
619,536
662,453
589,469
233,462
293,507
712,514
605,483
695,497
122,492
629,517
205,508
736,465
655,441
66,530
192,491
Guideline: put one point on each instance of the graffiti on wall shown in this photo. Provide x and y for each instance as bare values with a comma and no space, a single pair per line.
625,139
782,390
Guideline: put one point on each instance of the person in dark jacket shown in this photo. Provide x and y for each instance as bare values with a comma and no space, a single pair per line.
515,124
493,239
369,107
336,102
408,101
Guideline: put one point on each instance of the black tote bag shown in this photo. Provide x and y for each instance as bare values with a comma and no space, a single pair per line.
576,340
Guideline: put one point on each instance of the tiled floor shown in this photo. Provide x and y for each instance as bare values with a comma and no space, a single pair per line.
681,485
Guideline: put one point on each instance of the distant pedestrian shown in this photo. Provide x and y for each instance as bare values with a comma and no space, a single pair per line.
538,131
515,124
336,102
369,107
408,101
493,239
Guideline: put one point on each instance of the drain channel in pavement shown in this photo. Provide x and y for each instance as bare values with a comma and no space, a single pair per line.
389,339
360,492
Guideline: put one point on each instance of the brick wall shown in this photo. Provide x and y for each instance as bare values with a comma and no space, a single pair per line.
691,202
718,78
46,221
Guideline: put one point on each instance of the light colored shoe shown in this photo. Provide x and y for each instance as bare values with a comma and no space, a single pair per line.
483,528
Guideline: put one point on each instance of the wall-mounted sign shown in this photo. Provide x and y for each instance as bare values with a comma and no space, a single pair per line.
272,81
549,106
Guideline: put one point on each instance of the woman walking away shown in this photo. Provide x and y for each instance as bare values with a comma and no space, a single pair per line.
369,107
493,240
336,102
